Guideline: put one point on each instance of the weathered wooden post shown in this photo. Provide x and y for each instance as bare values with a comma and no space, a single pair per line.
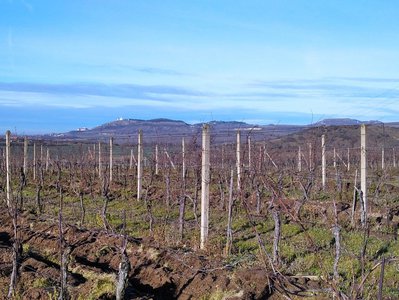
34,161
363,174
111,144
183,152
394,157
139,163
205,177
249,154
229,236
310,156
47,158
383,158
156,160
355,192
25,156
323,162
238,160
349,161
299,159
100,165
94,158
41,154
335,159
8,167
223,153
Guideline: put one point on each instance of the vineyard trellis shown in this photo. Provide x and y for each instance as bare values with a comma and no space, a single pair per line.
272,183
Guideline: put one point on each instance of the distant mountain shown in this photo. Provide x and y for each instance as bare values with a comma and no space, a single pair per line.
344,122
171,131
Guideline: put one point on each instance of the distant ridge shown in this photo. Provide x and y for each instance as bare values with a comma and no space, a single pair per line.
344,122
171,131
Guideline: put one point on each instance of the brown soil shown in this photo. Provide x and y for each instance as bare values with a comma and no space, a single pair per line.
156,273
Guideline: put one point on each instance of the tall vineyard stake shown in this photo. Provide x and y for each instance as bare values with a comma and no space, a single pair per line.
249,153
183,154
323,161
205,185
34,161
261,158
363,174
335,159
25,156
41,153
94,158
310,156
355,192
383,158
394,157
8,168
182,201
156,160
47,158
139,163
100,165
229,237
111,143
299,159
223,153
131,159
238,160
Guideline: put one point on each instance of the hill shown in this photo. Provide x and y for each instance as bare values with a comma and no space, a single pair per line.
171,131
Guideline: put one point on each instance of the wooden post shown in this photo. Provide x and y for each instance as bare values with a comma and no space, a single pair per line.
249,154
25,156
310,156
355,192
156,160
8,167
100,165
34,161
183,151
299,159
394,157
94,158
41,154
223,151
205,177
383,158
111,144
47,158
363,174
323,162
238,160
381,281
335,159
229,236
139,163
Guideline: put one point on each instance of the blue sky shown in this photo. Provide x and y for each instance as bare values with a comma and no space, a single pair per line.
81,63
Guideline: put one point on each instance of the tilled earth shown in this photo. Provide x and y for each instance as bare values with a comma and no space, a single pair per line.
156,273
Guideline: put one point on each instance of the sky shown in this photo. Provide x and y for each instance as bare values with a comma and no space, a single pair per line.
82,63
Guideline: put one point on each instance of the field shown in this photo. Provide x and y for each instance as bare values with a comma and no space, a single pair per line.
68,224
